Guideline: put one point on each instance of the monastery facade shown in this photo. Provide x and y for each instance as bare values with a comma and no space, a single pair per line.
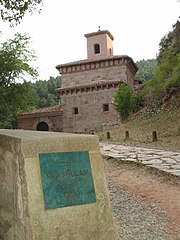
87,90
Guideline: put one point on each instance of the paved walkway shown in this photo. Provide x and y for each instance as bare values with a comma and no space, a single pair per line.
165,160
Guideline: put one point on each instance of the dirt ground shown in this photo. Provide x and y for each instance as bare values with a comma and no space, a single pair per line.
153,186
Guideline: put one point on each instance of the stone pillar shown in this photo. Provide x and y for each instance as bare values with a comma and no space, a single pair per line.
53,186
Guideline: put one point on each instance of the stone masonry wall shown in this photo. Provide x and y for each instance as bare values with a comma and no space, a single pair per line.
105,43
54,122
26,123
87,77
90,110
130,77
90,102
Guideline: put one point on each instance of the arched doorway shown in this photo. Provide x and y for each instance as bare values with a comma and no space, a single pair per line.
42,126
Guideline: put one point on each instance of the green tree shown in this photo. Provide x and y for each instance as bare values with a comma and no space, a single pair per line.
15,93
146,69
45,91
167,75
123,101
14,10
14,58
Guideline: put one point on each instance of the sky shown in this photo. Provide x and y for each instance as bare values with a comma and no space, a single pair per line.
57,34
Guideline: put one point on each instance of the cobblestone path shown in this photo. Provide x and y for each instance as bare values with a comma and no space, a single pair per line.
164,160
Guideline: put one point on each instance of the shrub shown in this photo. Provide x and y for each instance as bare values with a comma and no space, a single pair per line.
123,101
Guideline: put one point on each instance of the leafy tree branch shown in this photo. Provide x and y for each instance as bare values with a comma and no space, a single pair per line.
14,10
15,58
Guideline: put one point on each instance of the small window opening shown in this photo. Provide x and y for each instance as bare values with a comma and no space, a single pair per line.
110,51
105,107
96,48
75,110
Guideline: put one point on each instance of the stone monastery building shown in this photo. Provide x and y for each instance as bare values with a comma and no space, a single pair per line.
87,90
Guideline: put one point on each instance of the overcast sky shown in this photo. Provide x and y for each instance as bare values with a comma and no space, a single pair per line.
58,32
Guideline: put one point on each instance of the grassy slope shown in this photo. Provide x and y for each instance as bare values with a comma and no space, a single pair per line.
166,122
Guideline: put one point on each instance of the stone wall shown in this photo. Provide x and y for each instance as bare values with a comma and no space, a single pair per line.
30,121
23,215
86,86
105,43
90,110
87,77
50,116
85,72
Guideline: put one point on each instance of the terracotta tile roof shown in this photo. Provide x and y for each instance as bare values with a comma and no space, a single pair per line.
52,109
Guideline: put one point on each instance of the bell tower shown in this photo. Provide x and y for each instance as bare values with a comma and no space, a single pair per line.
99,44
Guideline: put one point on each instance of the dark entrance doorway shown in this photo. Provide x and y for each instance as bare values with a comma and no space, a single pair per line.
42,126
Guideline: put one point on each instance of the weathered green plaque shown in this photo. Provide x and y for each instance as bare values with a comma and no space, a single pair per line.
66,179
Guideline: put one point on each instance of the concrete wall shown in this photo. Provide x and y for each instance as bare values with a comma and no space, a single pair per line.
14,219
22,212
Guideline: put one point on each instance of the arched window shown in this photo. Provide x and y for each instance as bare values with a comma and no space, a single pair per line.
96,48
42,126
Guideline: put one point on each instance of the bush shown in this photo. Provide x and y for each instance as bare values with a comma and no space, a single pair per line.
123,101
137,101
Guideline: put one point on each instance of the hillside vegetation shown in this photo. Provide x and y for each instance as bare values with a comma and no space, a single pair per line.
156,106
146,69
141,125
